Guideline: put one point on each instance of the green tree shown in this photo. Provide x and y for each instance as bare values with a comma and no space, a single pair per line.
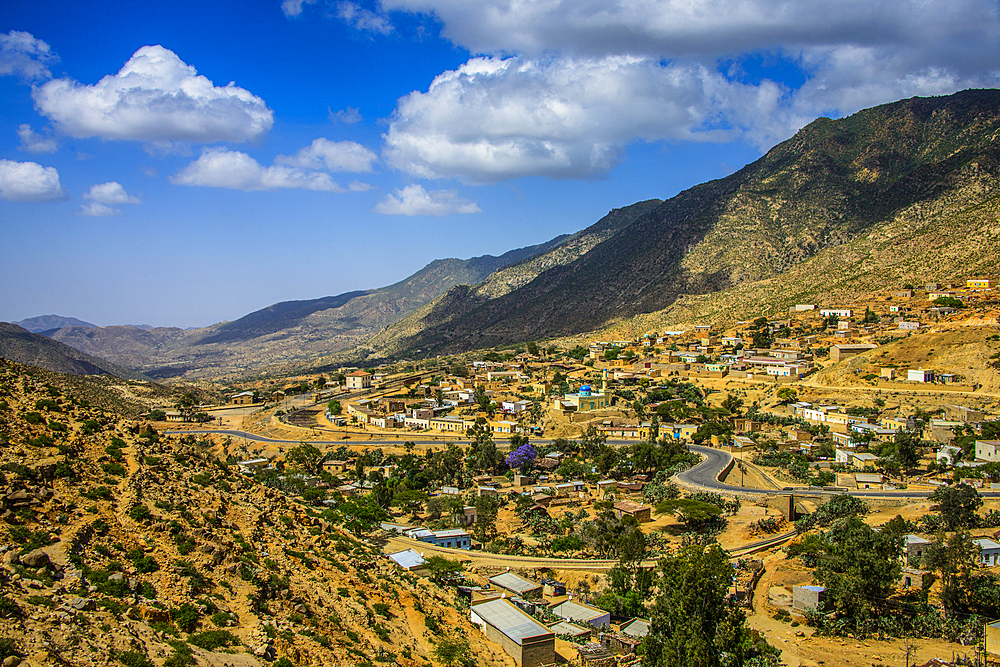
483,454
732,404
306,458
907,449
334,408
442,568
592,441
956,558
533,348
691,623
949,302
485,527
787,395
185,405
957,505
859,571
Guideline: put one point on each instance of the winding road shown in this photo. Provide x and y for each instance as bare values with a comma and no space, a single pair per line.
704,475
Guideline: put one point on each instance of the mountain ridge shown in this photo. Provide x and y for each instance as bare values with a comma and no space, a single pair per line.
831,182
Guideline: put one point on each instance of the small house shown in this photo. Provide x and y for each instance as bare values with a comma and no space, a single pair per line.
989,551
641,513
522,637
808,598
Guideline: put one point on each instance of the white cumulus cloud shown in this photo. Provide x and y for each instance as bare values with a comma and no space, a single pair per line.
104,197
29,182
497,118
414,200
238,171
591,77
155,97
98,210
33,142
22,55
349,115
331,156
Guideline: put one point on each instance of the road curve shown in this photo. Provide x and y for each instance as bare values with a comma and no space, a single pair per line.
706,475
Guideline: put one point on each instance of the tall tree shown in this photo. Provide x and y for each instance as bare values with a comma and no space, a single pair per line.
861,568
691,622
957,505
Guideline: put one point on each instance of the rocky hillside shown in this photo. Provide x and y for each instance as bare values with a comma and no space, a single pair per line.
912,182
122,545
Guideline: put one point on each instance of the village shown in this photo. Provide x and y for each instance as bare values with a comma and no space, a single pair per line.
819,403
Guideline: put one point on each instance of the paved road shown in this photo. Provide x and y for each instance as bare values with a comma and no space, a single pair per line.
706,474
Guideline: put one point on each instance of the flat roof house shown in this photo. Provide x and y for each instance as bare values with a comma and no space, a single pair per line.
989,551
641,513
988,450
914,547
808,598
456,538
509,581
530,643
408,560
571,610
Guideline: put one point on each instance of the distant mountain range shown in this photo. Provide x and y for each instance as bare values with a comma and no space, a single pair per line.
33,349
902,192
291,332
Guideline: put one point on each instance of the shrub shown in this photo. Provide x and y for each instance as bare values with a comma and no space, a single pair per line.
114,468
213,639
140,513
185,617
33,418
8,608
98,493
8,647
134,659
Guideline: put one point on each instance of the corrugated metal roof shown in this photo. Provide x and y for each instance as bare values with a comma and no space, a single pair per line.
512,582
576,611
637,628
510,620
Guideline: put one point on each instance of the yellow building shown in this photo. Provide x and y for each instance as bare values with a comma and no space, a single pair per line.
981,283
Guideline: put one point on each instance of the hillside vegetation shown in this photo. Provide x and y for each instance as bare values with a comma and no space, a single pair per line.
122,545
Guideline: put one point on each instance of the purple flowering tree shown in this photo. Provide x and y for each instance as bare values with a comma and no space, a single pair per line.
521,457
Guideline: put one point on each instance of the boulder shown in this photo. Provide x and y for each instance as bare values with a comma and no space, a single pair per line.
83,604
35,559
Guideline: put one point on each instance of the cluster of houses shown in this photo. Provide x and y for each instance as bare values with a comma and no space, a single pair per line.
509,609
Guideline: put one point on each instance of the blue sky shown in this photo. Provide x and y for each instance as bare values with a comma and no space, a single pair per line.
185,163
